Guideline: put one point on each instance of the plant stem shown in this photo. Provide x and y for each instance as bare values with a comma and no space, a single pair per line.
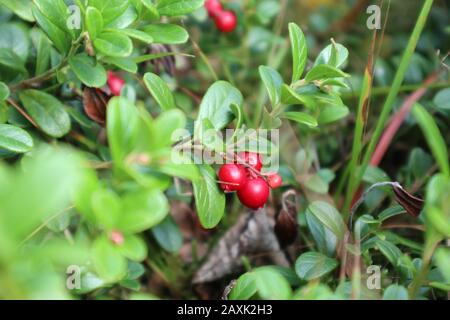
389,103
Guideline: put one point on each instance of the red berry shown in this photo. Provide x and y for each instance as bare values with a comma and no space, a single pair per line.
225,21
275,180
254,193
252,159
115,83
214,7
232,177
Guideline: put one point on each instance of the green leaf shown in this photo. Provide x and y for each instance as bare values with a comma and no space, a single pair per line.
138,35
43,49
289,96
48,112
94,22
334,54
122,127
273,82
178,7
134,248
108,261
164,126
90,72
55,11
329,216
166,33
142,210
271,285
4,112
442,258
60,38
395,292
15,38
179,165
433,136
21,8
15,139
299,51
216,104
313,265
160,91
325,239
391,212
106,207
330,114
113,44
209,200
126,64
4,91
442,99
324,71
168,235
389,250
152,11
11,61
244,288
110,9
300,117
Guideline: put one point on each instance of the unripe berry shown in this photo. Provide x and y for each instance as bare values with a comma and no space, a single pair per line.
254,193
115,83
116,237
274,180
225,21
252,159
232,177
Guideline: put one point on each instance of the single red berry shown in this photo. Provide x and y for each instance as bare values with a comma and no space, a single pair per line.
252,159
115,83
275,180
116,237
214,7
254,193
225,21
232,177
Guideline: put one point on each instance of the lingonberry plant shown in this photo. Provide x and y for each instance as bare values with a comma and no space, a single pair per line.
144,153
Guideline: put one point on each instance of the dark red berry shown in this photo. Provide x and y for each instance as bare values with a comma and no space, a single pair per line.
115,83
225,21
252,159
232,177
254,193
214,7
275,180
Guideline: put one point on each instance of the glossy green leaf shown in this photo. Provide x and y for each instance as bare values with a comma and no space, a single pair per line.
113,44
108,261
142,210
138,35
15,139
10,60
94,22
270,284
160,91
106,206
167,33
334,54
273,82
209,199
15,38
395,292
152,11
134,248
90,72
244,288
111,9
168,235
4,91
313,265
178,7
21,8
332,113
299,51
324,71
48,112
126,64
329,217
216,104
300,117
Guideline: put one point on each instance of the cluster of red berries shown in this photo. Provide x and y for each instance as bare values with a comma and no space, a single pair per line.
225,20
115,83
244,176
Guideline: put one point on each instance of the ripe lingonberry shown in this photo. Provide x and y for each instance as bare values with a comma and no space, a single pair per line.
232,177
214,7
225,21
274,180
252,159
115,83
254,193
